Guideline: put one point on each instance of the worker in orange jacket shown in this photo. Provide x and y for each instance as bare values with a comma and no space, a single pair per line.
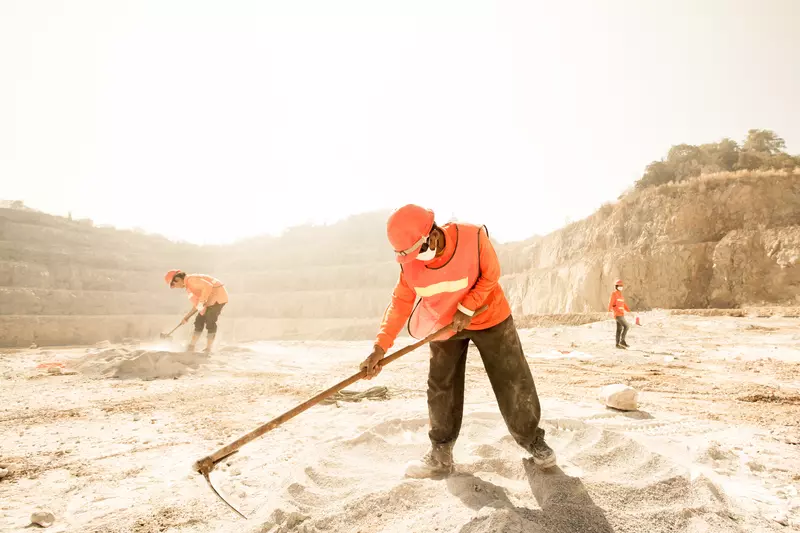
617,306
208,297
453,270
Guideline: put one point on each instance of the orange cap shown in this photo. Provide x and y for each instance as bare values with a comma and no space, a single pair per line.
619,283
407,229
170,275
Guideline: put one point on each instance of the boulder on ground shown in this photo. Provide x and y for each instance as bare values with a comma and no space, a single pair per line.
43,518
619,396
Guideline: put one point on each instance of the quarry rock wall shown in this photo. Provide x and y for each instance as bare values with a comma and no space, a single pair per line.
724,241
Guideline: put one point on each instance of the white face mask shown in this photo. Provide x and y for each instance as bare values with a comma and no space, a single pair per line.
427,255
620,288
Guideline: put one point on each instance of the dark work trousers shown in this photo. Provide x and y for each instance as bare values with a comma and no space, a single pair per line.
209,319
622,328
509,374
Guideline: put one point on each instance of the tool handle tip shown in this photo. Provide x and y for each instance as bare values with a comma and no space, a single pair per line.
204,465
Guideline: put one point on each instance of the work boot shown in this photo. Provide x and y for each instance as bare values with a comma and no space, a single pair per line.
542,454
210,342
624,344
620,346
438,462
193,342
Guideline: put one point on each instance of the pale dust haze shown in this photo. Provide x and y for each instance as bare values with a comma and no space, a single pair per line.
211,122
224,124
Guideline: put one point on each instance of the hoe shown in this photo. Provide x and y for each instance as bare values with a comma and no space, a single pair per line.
205,465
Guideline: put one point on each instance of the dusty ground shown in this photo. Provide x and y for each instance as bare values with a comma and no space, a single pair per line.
714,448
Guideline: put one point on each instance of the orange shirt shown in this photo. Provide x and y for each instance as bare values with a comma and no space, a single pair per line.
617,304
203,288
487,291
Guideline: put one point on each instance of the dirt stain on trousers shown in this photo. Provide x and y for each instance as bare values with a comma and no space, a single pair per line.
505,363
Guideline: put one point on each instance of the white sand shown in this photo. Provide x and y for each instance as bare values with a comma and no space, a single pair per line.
147,363
713,448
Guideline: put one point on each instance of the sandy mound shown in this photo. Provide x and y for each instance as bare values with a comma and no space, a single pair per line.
606,482
124,363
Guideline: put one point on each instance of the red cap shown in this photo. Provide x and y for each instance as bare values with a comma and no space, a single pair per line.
619,283
407,229
170,275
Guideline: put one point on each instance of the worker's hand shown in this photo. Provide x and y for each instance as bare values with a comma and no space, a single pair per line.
370,364
184,321
461,321
201,309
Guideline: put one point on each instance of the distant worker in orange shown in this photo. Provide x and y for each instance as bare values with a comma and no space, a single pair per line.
618,306
208,297
454,271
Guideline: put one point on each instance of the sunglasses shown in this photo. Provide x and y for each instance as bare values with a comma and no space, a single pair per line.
425,246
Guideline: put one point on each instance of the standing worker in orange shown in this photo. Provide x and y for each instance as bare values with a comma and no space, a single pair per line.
208,297
454,271
618,306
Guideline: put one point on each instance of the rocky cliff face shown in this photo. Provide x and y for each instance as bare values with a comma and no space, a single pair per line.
725,240
722,241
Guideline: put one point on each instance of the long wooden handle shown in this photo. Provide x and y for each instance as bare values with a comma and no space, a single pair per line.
206,464
186,318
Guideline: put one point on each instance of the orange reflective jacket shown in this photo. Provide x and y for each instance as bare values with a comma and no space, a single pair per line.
617,304
485,290
203,288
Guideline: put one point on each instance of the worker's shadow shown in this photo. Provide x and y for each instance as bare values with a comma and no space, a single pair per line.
565,504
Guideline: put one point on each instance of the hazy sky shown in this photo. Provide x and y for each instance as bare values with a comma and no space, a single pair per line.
211,121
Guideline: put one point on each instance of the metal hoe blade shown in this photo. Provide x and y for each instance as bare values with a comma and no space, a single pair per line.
205,466
235,510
